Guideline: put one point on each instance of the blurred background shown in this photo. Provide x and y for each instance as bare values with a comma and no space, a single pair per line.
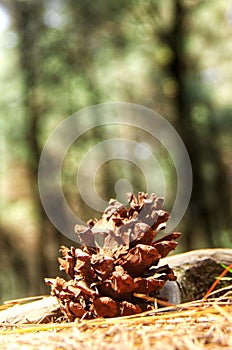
57,57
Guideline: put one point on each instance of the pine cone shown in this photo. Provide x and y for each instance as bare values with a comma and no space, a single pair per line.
118,259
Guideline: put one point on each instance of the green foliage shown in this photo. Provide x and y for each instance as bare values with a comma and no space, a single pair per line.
227,278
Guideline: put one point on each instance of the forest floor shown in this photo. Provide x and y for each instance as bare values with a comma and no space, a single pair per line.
195,325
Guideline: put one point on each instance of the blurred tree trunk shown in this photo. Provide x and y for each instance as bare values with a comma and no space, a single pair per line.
209,202
28,22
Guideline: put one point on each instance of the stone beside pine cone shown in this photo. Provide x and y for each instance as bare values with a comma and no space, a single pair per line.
118,261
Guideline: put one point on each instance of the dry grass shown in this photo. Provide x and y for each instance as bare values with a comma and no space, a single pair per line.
197,325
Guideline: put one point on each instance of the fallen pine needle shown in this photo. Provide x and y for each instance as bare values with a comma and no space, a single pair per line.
223,312
186,310
224,272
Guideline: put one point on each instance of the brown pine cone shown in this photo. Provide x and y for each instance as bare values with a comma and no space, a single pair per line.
106,277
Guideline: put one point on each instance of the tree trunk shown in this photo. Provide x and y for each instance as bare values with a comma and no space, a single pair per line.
205,217
197,270
27,17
